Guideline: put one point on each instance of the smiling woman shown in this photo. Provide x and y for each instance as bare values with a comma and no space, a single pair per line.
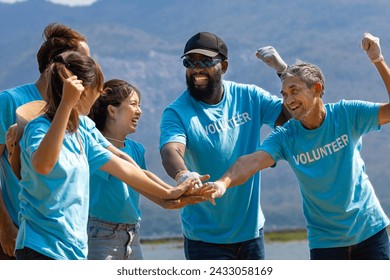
58,154
116,114
113,227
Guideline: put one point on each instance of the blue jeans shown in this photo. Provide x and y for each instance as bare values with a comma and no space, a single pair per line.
112,241
374,248
30,254
247,250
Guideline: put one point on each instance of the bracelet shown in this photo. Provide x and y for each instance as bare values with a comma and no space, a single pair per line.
380,58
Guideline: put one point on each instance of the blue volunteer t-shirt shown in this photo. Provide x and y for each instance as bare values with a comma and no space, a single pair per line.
111,199
90,126
10,100
215,136
54,207
339,202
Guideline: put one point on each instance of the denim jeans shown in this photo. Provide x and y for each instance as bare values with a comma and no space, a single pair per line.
374,248
30,254
247,250
111,241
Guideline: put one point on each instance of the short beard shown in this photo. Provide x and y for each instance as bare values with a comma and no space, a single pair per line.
214,84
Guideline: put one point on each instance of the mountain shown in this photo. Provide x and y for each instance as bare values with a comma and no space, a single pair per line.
142,41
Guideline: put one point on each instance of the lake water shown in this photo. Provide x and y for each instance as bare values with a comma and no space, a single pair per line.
293,250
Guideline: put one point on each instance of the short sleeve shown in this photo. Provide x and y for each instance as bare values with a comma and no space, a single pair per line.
97,155
171,128
271,107
7,117
90,126
33,135
273,144
363,115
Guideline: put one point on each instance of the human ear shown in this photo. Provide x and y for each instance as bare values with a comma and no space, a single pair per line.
224,65
318,88
111,111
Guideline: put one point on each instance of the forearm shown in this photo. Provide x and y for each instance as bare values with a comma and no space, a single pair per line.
245,167
122,155
384,109
283,117
134,177
42,160
173,204
5,218
157,200
15,161
172,155
8,230
156,179
384,72
2,147
126,157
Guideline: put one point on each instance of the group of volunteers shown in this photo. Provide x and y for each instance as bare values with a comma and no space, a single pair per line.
71,177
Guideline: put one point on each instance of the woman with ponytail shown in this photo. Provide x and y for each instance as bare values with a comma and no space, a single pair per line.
58,156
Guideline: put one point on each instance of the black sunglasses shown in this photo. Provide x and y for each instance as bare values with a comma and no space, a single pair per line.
203,63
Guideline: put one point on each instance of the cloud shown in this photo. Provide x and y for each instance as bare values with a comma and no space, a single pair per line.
71,3
11,1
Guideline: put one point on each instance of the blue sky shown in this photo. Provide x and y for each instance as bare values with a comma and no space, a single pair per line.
61,2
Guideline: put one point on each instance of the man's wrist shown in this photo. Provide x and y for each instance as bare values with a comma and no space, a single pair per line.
179,174
279,73
380,58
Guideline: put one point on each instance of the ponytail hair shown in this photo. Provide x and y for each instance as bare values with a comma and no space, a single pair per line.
64,66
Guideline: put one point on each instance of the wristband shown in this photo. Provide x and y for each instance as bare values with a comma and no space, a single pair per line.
178,174
380,58
281,72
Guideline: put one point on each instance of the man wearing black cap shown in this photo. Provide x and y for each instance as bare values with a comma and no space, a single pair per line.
204,131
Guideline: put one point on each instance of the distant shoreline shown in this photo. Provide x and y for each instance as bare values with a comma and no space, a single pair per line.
284,235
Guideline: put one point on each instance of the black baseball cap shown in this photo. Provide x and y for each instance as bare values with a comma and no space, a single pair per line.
206,43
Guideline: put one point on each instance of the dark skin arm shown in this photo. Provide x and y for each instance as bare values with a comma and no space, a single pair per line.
8,230
172,155
2,147
283,117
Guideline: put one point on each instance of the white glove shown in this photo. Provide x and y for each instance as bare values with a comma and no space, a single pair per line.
220,190
184,175
371,45
271,57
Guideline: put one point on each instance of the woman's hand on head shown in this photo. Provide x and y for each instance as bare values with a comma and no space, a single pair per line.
71,91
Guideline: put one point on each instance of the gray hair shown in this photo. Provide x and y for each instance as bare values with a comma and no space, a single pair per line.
307,72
